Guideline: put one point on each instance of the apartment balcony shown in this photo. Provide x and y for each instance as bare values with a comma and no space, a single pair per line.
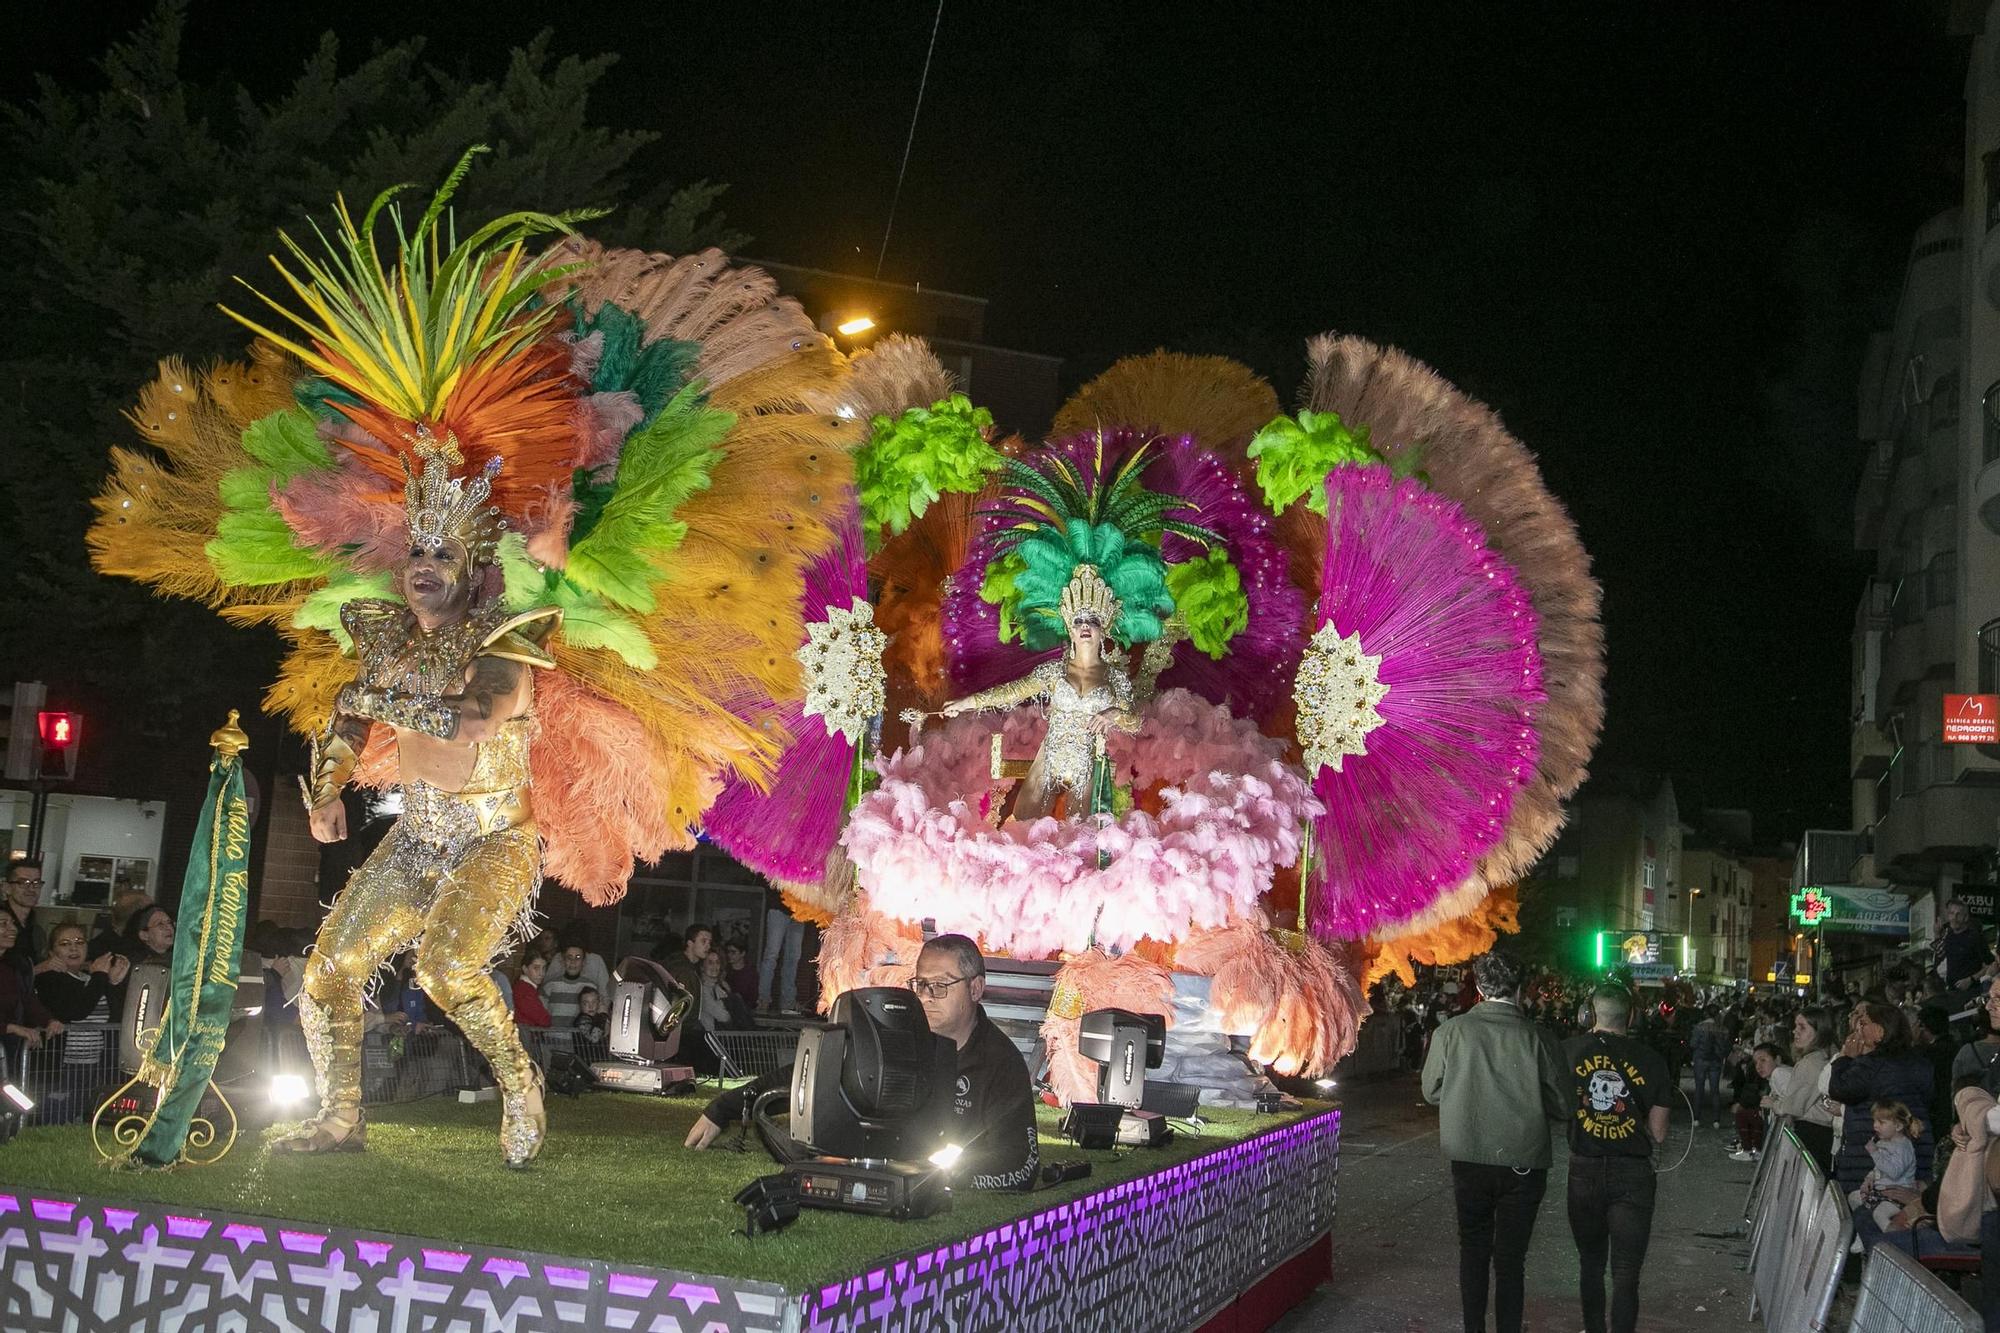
1935,824
1868,750
1905,661
1986,488
1871,612
1872,494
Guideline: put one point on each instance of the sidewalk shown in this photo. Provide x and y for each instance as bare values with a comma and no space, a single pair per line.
1395,1261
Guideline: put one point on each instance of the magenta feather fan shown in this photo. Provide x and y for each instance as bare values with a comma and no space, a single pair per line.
1443,624
788,831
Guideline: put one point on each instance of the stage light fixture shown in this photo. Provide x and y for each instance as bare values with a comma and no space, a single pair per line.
945,1158
1093,1124
859,324
1325,1084
21,1100
770,1203
288,1089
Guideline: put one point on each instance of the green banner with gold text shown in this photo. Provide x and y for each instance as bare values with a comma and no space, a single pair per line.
208,951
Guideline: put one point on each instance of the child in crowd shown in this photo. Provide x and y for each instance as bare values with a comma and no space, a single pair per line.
1746,1095
1894,1149
591,1021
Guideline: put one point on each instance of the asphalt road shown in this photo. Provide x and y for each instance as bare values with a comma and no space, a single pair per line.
1395,1257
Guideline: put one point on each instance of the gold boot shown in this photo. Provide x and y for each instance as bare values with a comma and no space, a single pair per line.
524,1121
327,1132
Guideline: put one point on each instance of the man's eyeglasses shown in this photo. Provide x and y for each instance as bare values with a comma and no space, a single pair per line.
933,988
26,883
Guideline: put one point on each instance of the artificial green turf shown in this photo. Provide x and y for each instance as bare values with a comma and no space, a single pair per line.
612,1183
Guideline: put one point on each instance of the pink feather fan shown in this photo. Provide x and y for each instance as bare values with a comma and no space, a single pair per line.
788,831
1411,575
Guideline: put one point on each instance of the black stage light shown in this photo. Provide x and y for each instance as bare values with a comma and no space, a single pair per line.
1093,1124
770,1203
1124,1045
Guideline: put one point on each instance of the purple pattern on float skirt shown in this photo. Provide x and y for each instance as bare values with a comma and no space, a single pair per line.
1408,821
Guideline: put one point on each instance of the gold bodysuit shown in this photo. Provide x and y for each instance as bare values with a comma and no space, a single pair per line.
454,875
1068,750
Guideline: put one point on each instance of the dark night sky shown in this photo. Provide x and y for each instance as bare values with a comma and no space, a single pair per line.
1654,239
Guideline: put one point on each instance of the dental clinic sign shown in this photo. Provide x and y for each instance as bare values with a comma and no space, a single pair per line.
1852,908
1972,719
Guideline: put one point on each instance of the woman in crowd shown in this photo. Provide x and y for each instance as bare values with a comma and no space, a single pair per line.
1981,1055
87,998
25,1022
1876,1063
717,1009
1804,1098
149,937
75,992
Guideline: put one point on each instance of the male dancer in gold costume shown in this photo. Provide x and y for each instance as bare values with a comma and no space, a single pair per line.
450,673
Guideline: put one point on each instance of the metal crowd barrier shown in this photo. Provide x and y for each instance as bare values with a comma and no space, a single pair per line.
752,1054
68,1076
1779,1124
1800,1228
1899,1296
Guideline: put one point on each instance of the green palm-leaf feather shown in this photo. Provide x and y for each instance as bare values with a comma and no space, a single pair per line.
402,334
1059,518
661,465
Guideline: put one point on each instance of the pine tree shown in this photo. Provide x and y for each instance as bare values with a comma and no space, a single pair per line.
130,208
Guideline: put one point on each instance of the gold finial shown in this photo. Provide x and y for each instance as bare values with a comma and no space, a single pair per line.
229,740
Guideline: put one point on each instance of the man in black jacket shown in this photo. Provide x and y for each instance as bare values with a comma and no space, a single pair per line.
992,1101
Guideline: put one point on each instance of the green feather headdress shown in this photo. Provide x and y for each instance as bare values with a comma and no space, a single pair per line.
1057,521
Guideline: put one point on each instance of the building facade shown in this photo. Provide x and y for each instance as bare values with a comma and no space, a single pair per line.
1719,904
1616,866
1927,622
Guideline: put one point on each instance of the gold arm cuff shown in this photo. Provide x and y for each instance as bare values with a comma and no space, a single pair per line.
331,764
400,708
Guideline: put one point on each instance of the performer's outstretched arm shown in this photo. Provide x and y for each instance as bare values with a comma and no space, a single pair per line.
1000,696
499,690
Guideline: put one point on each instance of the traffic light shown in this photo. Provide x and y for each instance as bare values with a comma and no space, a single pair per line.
62,736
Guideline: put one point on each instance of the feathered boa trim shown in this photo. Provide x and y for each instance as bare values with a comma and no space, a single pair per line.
926,843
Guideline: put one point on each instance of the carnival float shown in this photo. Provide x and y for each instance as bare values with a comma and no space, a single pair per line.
1226,712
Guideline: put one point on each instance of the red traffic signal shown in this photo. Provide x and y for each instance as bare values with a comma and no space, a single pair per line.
60,731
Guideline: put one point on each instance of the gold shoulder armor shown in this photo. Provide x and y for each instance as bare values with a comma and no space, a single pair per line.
524,637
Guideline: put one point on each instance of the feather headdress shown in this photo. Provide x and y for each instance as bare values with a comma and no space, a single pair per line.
661,469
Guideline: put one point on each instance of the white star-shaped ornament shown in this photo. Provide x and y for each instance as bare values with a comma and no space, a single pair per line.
1338,692
842,657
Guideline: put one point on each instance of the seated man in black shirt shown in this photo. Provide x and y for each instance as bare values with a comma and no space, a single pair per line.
992,1103
1622,1087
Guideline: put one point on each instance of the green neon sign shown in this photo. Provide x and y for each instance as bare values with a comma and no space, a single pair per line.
1810,907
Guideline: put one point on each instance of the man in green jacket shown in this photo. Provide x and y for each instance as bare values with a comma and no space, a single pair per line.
1499,1085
